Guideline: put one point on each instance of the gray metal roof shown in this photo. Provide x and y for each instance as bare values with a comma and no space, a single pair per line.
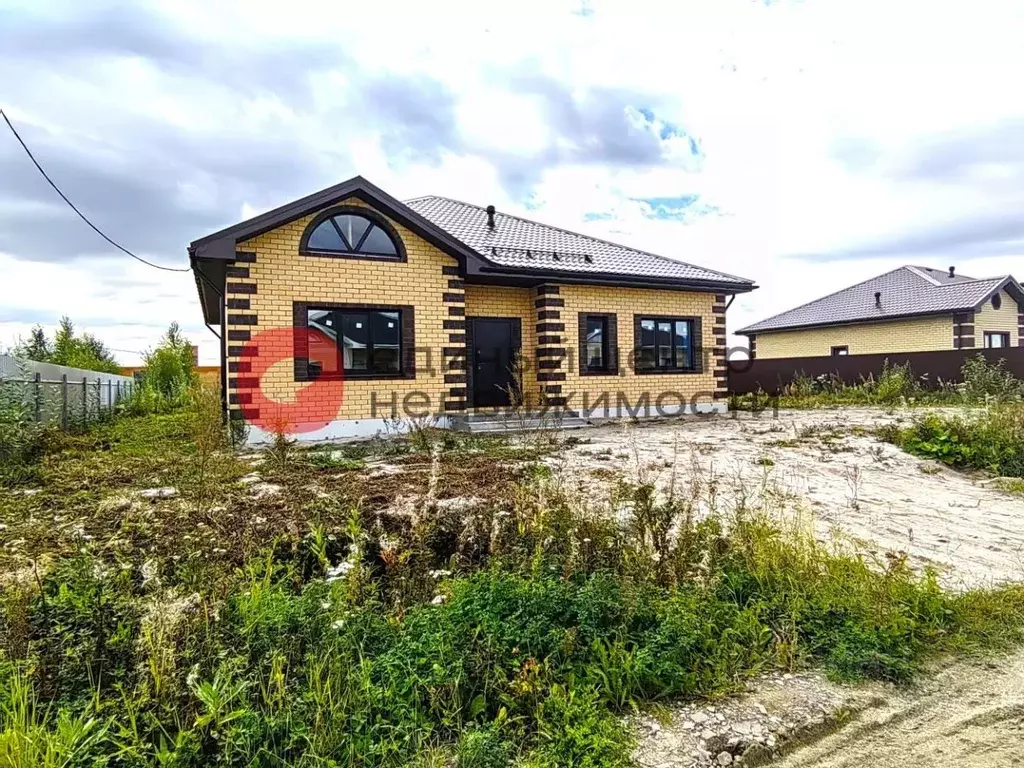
905,291
521,244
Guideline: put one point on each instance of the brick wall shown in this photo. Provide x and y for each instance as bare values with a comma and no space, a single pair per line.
1003,319
624,303
270,276
262,288
909,335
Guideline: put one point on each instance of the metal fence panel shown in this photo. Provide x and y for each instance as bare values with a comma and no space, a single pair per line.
770,375
58,393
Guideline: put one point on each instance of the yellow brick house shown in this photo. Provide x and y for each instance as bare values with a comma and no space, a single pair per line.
910,309
374,309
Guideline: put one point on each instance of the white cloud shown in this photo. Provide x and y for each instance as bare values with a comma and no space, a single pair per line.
819,125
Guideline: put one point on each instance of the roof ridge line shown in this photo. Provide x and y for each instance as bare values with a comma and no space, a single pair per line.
917,271
822,298
591,237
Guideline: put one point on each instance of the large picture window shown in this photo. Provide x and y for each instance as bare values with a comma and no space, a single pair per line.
367,342
350,232
666,344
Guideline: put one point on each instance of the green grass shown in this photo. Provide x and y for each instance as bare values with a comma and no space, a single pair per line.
516,632
990,439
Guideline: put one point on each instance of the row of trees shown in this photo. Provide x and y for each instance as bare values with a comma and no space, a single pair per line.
169,367
67,348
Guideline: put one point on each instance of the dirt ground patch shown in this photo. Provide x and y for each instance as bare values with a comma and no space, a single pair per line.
969,714
828,463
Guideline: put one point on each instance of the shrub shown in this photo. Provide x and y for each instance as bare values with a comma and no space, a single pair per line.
483,747
21,437
983,380
86,621
574,729
992,439
168,379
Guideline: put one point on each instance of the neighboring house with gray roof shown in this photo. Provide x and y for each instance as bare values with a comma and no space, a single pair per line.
910,309
439,306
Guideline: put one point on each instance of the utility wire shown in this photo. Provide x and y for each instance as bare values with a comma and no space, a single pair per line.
81,215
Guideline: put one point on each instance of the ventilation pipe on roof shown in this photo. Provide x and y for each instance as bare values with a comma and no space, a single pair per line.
490,216
951,271
878,299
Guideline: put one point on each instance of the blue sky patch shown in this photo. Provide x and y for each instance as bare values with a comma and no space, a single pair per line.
668,130
679,207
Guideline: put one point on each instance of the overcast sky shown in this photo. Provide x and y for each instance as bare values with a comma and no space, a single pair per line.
806,145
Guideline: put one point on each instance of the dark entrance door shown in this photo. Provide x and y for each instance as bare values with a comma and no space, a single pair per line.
494,343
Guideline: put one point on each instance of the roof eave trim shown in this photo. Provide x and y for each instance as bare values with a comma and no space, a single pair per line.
216,246
751,329
615,278
1013,288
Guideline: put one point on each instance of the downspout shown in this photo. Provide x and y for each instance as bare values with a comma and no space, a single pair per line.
223,350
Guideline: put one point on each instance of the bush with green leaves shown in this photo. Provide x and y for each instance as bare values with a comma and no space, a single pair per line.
85,620
991,439
22,439
982,380
167,381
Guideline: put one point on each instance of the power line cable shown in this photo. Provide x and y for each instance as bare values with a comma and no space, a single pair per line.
81,215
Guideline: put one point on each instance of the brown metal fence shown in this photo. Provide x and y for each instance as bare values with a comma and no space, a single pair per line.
770,375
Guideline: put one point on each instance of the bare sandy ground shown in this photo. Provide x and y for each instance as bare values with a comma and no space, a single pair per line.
970,715
880,499
856,486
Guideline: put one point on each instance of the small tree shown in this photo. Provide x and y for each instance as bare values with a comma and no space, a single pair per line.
37,347
170,369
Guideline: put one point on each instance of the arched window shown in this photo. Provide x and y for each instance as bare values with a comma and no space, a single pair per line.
350,232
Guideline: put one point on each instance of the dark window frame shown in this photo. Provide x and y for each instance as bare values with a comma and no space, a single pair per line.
696,345
375,219
997,300
986,335
406,340
842,350
609,344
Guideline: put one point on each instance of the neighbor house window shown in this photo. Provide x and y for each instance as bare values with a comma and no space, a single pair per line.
597,343
996,339
351,233
368,342
839,351
666,344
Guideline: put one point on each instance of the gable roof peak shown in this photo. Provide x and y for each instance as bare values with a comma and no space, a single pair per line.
906,291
